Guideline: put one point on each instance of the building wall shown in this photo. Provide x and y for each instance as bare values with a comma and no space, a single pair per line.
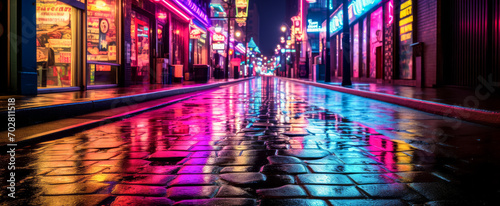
254,24
426,26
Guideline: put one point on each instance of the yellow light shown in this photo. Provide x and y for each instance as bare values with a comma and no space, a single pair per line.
238,33
177,31
283,28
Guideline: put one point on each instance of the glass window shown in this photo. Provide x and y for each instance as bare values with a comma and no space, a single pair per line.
406,38
102,31
56,44
376,40
364,47
355,51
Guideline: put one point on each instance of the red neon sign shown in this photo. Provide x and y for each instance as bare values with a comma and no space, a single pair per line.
218,38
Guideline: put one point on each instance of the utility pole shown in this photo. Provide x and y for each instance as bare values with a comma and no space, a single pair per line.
346,70
327,44
226,66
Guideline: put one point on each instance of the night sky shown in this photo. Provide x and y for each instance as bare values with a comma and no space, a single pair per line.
272,15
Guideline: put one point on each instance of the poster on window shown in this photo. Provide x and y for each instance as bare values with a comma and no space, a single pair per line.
406,39
101,30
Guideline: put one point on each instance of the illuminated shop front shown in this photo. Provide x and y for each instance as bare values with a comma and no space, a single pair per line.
102,42
57,29
198,45
372,39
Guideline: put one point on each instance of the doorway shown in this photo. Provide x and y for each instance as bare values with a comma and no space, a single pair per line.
141,49
380,62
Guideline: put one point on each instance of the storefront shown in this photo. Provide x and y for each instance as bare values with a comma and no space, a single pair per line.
198,45
372,40
58,26
103,20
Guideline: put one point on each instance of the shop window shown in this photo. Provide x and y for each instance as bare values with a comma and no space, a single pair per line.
355,51
364,48
102,40
56,27
406,38
376,40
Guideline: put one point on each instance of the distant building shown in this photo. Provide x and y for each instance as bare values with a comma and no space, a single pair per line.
253,23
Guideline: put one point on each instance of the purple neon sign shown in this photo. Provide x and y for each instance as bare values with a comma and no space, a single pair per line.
194,9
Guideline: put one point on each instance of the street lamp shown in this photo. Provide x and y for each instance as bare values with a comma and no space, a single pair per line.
283,28
238,34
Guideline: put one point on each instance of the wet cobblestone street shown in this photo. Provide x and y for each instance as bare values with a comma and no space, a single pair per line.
266,142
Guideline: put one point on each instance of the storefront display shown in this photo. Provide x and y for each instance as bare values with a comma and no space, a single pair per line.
364,48
355,51
101,31
102,42
376,39
56,44
406,39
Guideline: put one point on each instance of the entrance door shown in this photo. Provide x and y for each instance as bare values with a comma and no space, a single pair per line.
340,63
380,61
141,50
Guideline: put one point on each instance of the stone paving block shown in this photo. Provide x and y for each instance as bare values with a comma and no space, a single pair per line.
285,191
229,153
166,170
206,148
201,154
157,180
324,179
262,153
52,180
279,180
460,203
71,200
232,191
278,159
305,153
231,169
371,179
284,169
198,169
141,201
226,161
103,144
199,179
329,191
169,155
412,177
439,191
368,202
192,192
359,161
218,202
75,171
394,191
292,202
346,169
73,188
244,178
328,160
139,190
105,178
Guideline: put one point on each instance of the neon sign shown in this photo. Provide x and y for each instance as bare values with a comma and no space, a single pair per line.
313,26
189,6
218,38
356,9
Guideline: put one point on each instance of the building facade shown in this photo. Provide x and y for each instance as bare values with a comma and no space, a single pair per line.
422,43
85,44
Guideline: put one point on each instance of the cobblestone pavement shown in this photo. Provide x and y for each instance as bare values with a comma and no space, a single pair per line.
266,142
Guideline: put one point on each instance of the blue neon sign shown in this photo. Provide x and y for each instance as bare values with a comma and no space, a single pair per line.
356,9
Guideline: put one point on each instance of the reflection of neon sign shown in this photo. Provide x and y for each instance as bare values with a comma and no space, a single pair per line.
356,9
313,26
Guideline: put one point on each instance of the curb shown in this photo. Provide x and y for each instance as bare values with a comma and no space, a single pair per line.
452,111
70,130
38,115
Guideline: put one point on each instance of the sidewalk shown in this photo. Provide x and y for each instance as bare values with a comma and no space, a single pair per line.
53,106
451,102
